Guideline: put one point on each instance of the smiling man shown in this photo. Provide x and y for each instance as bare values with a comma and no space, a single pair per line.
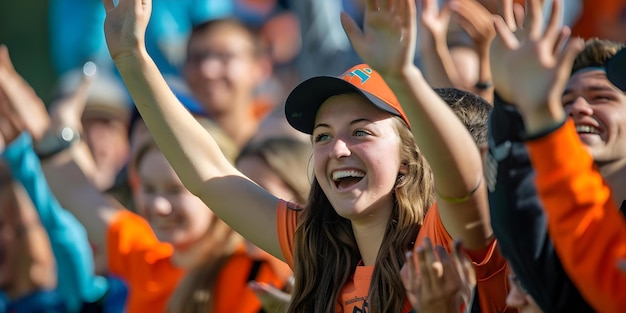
579,164
518,219
598,109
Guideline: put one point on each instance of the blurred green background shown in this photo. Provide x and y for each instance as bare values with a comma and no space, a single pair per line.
24,30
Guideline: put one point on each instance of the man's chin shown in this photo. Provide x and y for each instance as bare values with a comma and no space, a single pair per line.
593,144
590,139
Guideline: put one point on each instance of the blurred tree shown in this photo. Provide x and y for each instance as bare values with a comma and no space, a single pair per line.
24,29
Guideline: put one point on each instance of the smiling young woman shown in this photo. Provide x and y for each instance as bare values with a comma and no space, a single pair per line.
372,191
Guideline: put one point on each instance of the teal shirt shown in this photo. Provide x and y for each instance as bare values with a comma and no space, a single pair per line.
77,282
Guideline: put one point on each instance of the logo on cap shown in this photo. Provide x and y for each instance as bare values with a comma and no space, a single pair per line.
363,74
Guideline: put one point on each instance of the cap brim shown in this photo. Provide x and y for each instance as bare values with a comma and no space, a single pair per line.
304,101
616,69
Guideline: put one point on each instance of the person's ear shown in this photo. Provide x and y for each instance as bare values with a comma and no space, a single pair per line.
483,150
404,169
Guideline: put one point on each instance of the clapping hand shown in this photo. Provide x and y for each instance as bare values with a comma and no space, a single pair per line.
436,281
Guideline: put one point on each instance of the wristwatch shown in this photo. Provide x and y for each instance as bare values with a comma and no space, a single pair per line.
54,142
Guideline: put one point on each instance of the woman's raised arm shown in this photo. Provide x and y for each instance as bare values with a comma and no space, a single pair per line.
192,152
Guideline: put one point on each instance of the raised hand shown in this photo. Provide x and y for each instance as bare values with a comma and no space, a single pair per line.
21,104
387,42
513,15
125,26
68,110
437,281
435,22
476,20
10,126
534,66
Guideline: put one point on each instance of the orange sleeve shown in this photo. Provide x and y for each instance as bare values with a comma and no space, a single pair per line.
124,234
588,232
286,222
135,255
491,269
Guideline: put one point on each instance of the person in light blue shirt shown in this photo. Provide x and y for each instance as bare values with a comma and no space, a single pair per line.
77,283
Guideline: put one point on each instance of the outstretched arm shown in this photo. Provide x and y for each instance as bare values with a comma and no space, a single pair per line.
460,66
436,61
517,215
191,151
477,21
73,189
77,281
584,222
388,45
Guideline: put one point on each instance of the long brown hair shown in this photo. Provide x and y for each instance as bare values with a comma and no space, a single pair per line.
326,253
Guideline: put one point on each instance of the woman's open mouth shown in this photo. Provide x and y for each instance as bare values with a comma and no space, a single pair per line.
346,178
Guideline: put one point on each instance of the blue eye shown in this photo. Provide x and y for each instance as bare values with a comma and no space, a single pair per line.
360,133
320,137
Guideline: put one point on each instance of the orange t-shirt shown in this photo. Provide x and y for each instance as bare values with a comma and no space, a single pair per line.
491,273
136,255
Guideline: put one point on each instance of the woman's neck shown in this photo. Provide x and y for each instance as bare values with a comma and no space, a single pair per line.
369,235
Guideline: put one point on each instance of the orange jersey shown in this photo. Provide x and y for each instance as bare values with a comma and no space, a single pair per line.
135,255
353,295
491,272
588,232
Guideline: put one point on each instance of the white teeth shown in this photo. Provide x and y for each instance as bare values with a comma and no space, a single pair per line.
350,173
585,129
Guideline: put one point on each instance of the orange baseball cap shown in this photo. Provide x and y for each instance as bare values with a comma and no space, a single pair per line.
304,101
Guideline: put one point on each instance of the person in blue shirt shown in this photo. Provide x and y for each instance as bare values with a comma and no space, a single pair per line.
77,283
27,269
